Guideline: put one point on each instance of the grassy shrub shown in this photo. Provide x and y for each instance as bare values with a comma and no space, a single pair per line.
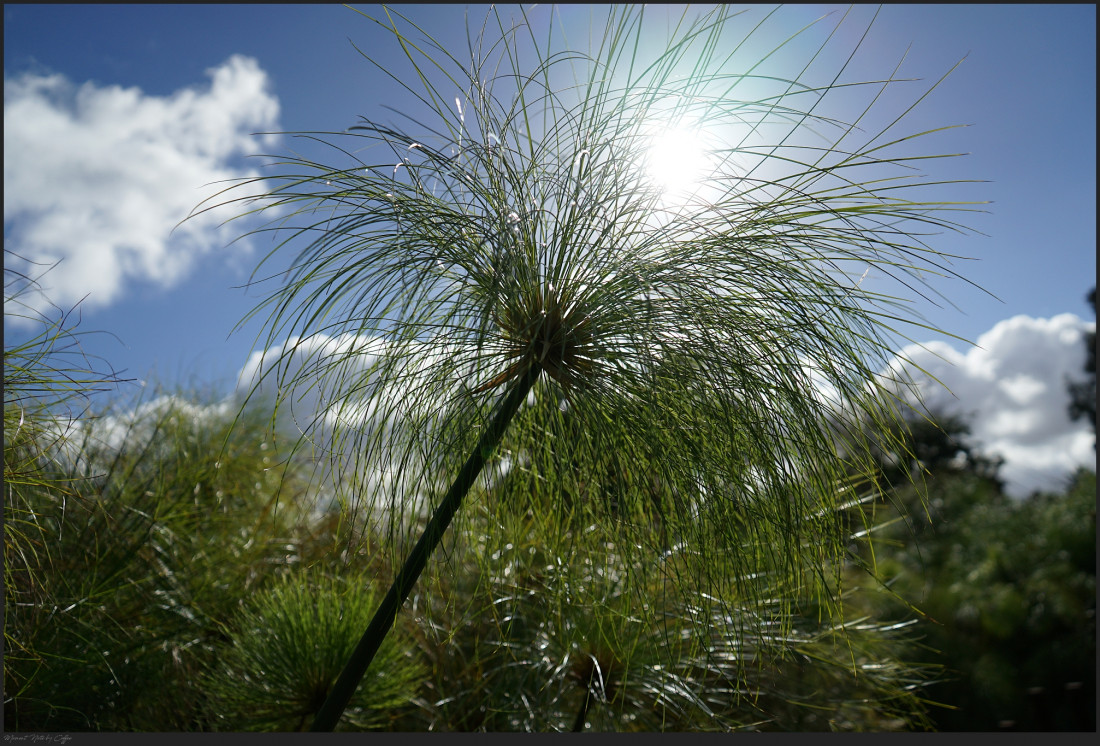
521,640
168,594
429,275
289,644
140,538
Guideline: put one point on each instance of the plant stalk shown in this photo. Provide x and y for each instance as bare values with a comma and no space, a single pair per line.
337,701
582,714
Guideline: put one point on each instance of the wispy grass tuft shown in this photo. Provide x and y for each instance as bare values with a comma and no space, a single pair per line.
509,242
290,643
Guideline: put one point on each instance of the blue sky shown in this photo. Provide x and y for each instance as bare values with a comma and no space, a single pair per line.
152,101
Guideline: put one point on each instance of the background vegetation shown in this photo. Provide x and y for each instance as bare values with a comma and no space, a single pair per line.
155,564
165,582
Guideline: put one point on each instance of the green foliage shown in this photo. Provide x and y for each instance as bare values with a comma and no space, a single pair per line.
289,644
48,382
521,641
677,340
136,541
189,590
1009,591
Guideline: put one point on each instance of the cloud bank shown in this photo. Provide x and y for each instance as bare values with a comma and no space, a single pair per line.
1011,389
97,177
334,389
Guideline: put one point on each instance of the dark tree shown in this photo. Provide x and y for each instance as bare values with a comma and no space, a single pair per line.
1082,394
932,443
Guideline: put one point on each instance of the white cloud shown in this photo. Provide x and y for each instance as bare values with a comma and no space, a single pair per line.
304,374
68,438
352,398
368,409
98,176
138,425
1011,389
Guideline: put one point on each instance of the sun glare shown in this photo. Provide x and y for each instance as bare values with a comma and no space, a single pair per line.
676,161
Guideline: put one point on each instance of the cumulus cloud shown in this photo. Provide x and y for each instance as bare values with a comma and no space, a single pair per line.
68,439
96,177
311,377
364,410
1011,389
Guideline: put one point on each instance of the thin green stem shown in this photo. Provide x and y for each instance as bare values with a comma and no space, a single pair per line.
582,714
356,667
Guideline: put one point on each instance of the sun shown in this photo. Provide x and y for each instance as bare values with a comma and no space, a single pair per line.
676,161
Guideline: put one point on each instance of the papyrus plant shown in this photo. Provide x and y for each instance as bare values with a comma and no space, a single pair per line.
512,239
